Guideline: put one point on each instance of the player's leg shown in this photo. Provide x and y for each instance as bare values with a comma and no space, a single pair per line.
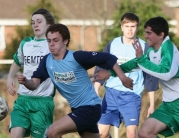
131,131
41,115
87,121
19,119
104,130
163,121
90,135
110,114
151,128
62,126
17,132
82,120
129,106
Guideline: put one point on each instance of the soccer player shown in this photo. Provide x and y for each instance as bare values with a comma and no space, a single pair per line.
120,103
33,109
161,61
68,71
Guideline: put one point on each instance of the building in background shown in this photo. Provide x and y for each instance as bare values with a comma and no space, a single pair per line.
174,4
85,19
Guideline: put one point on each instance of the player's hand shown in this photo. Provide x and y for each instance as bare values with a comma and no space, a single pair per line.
137,46
21,79
150,111
127,82
11,86
102,75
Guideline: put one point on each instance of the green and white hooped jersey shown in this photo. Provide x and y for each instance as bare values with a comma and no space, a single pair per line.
28,55
165,66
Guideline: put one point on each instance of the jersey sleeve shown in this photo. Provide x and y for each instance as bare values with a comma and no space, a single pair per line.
126,67
41,72
91,59
150,82
19,55
168,66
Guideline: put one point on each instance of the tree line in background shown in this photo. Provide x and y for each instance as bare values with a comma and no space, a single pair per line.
26,31
144,9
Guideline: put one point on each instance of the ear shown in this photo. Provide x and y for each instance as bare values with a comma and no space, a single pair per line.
122,28
137,28
65,42
161,35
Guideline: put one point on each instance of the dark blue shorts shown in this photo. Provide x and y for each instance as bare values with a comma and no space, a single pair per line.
118,106
86,118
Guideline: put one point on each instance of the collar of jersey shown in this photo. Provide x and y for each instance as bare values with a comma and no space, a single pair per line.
39,39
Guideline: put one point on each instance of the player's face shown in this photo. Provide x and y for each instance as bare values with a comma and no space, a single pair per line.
152,38
39,25
129,29
56,44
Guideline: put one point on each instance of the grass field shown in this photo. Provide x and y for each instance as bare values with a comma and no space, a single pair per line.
65,109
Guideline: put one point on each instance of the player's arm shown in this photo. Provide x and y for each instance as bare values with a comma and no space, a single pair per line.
166,69
151,85
151,108
10,79
103,60
99,83
31,84
37,78
97,86
106,74
126,67
15,67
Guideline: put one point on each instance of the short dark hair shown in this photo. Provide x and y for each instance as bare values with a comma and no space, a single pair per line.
62,29
48,16
158,25
129,17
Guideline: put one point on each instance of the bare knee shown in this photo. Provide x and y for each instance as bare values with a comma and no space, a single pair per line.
90,135
17,132
132,131
143,134
103,135
53,134
104,131
131,134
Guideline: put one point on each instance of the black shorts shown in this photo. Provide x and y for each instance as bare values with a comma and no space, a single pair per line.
86,118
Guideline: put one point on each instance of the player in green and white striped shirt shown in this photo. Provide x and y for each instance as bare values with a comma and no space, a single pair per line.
161,61
33,110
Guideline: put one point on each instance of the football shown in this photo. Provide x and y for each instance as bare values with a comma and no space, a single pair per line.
3,108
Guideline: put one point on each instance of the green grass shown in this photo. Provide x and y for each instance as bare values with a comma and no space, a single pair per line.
175,136
58,113
3,136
